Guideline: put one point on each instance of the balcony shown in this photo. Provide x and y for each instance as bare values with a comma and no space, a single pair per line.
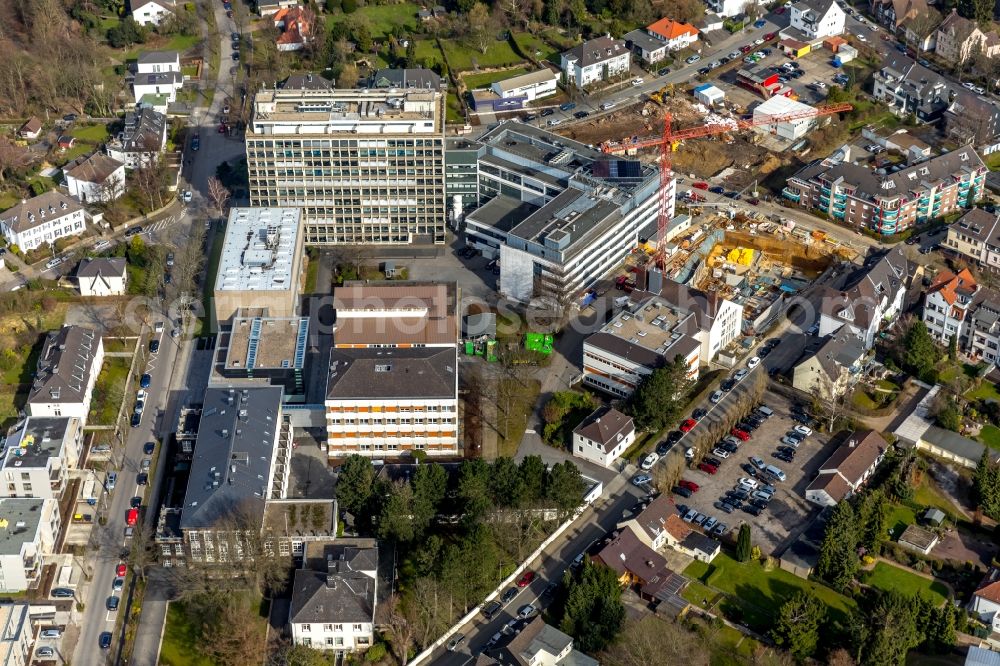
791,194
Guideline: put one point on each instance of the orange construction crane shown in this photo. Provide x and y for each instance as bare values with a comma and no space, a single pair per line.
669,139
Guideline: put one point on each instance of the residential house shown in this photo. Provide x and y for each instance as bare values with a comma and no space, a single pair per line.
157,62
142,139
17,635
635,563
29,528
848,468
296,26
603,436
595,60
893,13
66,142
658,526
540,644
409,78
920,34
334,608
835,367
867,298
947,305
728,8
393,382
531,86
982,342
976,236
31,129
152,12
652,43
894,202
39,456
811,21
985,602
95,178
708,22
150,85
68,366
270,7
971,117
102,276
959,39
908,87
42,219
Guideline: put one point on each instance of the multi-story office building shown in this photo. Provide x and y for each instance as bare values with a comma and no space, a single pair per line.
365,166
890,203
461,177
39,456
393,382
260,349
29,528
560,215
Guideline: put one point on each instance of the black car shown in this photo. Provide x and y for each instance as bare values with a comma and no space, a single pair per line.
741,495
714,462
142,479
62,593
751,509
509,595
784,457
664,71
747,426
135,502
236,56
148,448
154,346
699,414
723,506
674,437
581,114
773,373
727,385
491,609
728,447
717,189
787,449
662,448
704,70
682,491
112,603
132,231
773,342
136,420
548,112
733,503
104,640
749,469
759,503
763,352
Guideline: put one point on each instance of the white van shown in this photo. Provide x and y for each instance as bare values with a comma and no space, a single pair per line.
775,472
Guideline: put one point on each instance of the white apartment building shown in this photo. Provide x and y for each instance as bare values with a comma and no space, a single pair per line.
42,219
393,381
68,367
29,528
142,139
95,178
814,20
334,609
39,457
16,635
158,84
596,60
559,215
847,468
947,305
531,86
603,436
366,166
727,8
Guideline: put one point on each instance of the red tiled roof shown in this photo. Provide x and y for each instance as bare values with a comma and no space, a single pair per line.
948,284
670,29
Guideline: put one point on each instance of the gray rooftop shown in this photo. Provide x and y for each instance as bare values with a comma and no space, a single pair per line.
143,132
502,212
596,50
23,515
643,40
39,439
956,444
33,212
101,267
158,58
233,462
306,81
344,593
421,372
258,252
415,77
978,656
65,366
158,79
531,78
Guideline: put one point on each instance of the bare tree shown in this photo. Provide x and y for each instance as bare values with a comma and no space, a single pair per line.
398,628
142,553
12,156
148,180
656,641
234,636
218,193
481,27
920,25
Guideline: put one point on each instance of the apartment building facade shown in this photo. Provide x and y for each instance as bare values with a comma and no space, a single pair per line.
891,203
596,60
365,166
976,236
947,304
29,528
39,457
42,219
16,635
393,381
67,371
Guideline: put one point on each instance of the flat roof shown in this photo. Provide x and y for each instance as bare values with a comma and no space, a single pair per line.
401,313
19,521
41,438
656,326
267,342
376,373
366,110
258,252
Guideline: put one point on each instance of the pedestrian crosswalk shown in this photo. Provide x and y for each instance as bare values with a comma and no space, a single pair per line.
160,225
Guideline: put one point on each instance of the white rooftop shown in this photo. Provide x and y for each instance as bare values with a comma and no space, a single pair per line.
780,105
259,250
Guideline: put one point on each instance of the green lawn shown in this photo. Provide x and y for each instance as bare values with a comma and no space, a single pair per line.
91,133
535,46
109,390
899,517
211,271
190,71
990,436
473,81
79,149
755,595
559,41
312,271
178,647
8,199
889,577
453,109
461,57
182,43
427,51
986,391
383,18
9,400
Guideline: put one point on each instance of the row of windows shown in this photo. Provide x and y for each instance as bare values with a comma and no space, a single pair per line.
349,420
328,628
394,408
336,641
344,144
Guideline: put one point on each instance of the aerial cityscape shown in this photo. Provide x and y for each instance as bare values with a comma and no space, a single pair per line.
525,333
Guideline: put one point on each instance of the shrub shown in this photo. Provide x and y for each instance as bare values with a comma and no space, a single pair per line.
375,653
349,6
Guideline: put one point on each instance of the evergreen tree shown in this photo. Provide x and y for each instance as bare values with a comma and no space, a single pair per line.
594,612
355,483
743,544
838,555
658,400
892,630
920,354
798,624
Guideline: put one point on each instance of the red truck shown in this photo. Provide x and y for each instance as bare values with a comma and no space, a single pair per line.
132,517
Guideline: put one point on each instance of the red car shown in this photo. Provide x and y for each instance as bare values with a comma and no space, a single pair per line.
700,185
688,425
690,485
695,197
120,571
526,578
743,435
769,36
746,49
132,517
708,469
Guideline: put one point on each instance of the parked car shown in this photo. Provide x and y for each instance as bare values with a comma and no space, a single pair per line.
710,523
112,603
708,469
682,491
693,59
491,609
121,569
142,479
714,462
699,414
740,374
641,479
722,453
457,640
45,652
526,578
757,462
715,397
720,529
148,448
803,430
740,434
648,462
751,509
526,611
753,362
104,640
62,593
723,506
690,485
145,381
509,595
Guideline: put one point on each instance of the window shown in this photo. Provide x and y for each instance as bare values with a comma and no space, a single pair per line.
339,642
357,628
307,642
306,628
328,628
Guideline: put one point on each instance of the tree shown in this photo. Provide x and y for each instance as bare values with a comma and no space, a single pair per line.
798,624
219,194
872,520
350,6
890,629
398,627
953,347
743,544
12,157
594,612
506,486
300,655
980,11
920,25
348,76
396,520
355,483
653,640
430,484
149,181
986,486
474,488
658,400
920,354
565,487
685,11
234,636
532,470
480,27
946,413
838,556
127,33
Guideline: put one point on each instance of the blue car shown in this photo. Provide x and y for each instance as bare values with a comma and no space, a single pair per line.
145,381
760,23
105,640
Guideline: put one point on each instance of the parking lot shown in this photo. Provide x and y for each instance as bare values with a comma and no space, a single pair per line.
788,511
814,67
